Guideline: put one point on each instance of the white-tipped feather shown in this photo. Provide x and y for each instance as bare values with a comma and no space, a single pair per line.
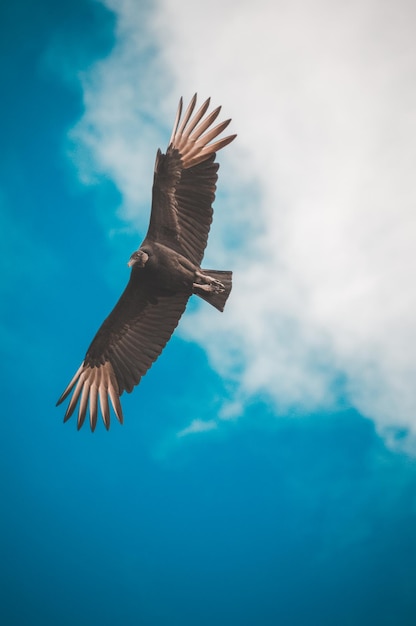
184,131
200,146
82,411
177,118
71,384
94,393
197,117
75,396
204,124
187,115
214,132
90,384
105,410
189,135
115,401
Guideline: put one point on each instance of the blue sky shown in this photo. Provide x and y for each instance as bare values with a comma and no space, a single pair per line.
265,473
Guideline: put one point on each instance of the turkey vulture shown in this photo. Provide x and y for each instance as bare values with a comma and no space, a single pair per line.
165,270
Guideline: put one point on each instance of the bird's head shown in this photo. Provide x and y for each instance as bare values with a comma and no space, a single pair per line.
138,259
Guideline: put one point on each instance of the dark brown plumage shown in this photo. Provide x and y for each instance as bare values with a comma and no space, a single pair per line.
165,270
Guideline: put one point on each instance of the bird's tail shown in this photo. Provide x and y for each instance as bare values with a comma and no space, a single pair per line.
217,288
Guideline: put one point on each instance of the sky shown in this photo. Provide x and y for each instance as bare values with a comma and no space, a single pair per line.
266,470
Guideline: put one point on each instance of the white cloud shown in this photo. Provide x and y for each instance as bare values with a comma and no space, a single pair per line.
198,426
318,188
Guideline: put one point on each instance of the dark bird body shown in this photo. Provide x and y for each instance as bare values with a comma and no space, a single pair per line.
165,270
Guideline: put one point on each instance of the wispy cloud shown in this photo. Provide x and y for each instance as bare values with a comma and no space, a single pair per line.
320,183
198,426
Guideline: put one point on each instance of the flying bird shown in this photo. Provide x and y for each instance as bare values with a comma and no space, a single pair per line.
165,270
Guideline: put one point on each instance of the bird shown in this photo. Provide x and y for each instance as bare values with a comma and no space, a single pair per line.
165,269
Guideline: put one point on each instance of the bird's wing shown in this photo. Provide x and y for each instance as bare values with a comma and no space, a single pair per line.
124,348
185,182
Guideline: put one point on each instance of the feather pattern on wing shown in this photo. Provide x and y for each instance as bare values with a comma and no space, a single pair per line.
185,182
124,348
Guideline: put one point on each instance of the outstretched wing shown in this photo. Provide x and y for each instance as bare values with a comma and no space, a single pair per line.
185,182
124,348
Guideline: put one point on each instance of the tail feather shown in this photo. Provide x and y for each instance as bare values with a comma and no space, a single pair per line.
217,299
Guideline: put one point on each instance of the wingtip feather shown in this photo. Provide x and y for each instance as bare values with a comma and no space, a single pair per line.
192,135
93,386
70,386
177,118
